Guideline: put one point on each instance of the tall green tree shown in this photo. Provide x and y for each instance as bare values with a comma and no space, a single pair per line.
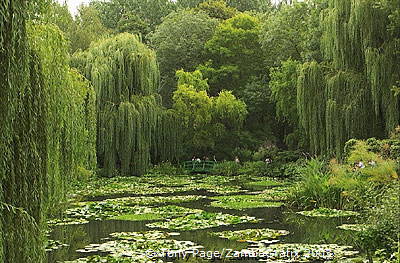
151,12
235,53
133,128
133,24
217,9
88,28
206,120
179,44
46,135
360,70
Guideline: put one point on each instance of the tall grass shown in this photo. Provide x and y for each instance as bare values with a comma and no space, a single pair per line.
314,189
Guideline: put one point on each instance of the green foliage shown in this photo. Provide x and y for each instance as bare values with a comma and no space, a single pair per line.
283,86
227,168
382,232
283,33
250,5
132,23
166,168
228,110
347,185
235,53
313,190
254,169
205,119
151,12
132,127
326,212
46,128
179,44
240,202
217,9
88,28
361,59
192,79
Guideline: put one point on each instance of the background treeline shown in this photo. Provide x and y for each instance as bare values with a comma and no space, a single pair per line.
312,74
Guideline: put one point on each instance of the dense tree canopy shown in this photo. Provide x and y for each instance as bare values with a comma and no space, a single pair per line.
235,53
179,44
206,119
130,120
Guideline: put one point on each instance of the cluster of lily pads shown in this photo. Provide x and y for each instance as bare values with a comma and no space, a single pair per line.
147,246
202,220
249,235
154,200
353,227
101,187
265,183
51,245
327,212
243,202
292,252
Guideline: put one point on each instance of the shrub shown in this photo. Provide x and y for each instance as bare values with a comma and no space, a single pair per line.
381,236
227,168
314,190
255,168
83,174
166,168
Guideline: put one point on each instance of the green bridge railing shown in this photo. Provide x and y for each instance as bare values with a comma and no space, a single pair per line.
199,167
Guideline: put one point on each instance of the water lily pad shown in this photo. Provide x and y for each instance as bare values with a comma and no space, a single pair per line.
152,200
67,221
141,245
154,234
265,183
243,202
247,235
327,212
353,227
202,220
51,245
152,213
299,252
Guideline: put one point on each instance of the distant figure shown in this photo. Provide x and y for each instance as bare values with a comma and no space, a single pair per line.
198,160
206,158
372,163
194,158
237,160
268,161
215,160
361,165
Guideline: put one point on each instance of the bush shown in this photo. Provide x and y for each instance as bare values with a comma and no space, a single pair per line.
255,168
227,168
264,152
380,237
166,168
83,174
314,190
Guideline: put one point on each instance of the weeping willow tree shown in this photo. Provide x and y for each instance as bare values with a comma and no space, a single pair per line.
350,95
133,129
47,114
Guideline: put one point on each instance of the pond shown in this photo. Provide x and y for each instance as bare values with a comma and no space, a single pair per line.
128,217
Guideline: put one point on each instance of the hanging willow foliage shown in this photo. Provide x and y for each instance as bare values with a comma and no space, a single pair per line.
133,129
353,97
47,114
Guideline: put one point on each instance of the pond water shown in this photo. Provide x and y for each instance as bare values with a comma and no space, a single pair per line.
309,230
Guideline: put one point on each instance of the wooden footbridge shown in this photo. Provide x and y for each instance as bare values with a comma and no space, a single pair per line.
199,166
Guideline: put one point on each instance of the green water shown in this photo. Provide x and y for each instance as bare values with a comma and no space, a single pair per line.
302,229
